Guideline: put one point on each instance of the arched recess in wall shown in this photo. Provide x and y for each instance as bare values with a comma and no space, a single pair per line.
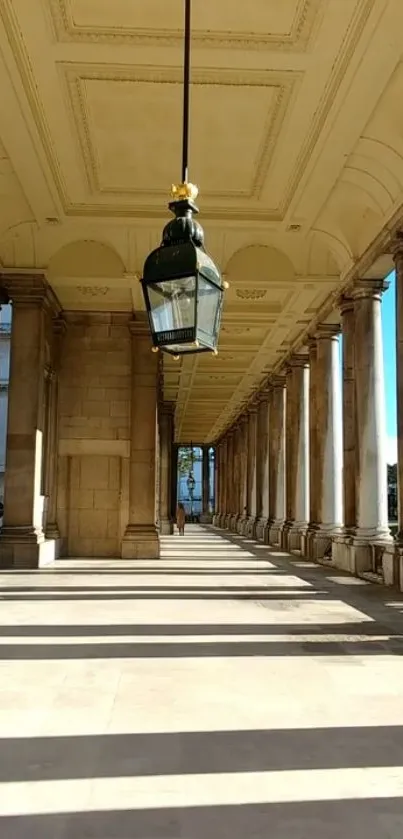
355,214
90,275
260,280
18,246
257,266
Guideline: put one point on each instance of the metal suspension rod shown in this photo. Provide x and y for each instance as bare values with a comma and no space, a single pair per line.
186,93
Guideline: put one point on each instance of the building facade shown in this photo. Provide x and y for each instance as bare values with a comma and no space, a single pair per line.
302,206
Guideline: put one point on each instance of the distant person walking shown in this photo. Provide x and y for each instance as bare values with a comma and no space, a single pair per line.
181,519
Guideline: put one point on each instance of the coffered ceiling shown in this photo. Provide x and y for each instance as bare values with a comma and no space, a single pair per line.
296,146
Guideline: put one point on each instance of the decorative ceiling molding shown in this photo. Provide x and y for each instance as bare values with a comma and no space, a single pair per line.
92,290
90,208
76,76
251,293
297,39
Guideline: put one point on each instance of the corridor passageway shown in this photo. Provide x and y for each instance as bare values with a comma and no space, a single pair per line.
227,690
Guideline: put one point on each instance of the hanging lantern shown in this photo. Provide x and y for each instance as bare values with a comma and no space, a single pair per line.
182,287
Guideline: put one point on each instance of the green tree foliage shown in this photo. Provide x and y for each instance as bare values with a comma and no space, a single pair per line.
184,460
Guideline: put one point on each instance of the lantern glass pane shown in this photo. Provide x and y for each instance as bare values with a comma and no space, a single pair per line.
208,311
173,304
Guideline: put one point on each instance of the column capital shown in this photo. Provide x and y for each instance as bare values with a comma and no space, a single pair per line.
327,331
30,289
298,360
278,381
396,249
167,409
263,396
368,288
346,303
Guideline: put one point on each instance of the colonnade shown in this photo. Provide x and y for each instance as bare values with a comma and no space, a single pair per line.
304,466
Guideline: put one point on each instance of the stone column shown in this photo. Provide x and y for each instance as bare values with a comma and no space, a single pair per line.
141,538
215,485
22,541
236,477
166,439
342,553
217,507
243,471
174,479
313,448
372,511
297,482
52,528
229,478
251,473
262,466
277,460
328,471
398,254
205,516
224,481
350,445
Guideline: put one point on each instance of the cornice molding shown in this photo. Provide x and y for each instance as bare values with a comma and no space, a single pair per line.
297,39
30,290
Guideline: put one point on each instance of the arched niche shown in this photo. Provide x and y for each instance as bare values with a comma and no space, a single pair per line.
86,259
259,264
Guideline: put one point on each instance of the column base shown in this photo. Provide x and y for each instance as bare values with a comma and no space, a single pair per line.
241,525
140,542
273,533
250,527
342,552
285,534
294,536
166,527
261,526
320,543
392,567
206,518
227,521
309,540
26,547
234,523
216,520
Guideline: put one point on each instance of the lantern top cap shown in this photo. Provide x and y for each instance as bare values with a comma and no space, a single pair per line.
184,192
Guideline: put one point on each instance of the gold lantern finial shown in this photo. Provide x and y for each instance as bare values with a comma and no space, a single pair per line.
184,192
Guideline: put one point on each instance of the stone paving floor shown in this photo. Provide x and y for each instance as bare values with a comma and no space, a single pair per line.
226,691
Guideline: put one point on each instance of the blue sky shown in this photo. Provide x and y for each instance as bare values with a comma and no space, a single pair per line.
389,354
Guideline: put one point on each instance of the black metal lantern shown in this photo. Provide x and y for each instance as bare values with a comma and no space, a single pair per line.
182,287
191,483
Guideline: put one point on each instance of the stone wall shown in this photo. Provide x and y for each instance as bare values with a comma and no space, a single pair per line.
94,434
